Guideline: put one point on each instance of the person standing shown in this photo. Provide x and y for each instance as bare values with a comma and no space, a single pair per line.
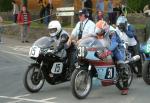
15,11
48,12
100,15
88,4
110,12
42,4
1,29
24,20
100,5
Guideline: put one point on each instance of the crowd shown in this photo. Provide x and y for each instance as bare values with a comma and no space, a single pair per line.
23,18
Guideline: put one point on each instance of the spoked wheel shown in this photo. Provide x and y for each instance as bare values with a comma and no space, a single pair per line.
81,83
33,80
146,72
128,71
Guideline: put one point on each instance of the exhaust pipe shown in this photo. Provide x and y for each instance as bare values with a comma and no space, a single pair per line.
133,59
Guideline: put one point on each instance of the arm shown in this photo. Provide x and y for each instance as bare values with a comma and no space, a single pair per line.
113,42
130,32
63,39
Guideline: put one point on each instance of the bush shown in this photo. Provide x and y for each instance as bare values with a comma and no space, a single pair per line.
137,5
5,5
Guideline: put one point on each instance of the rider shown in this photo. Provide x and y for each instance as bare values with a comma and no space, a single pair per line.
115,48
60,35
83,29
127,33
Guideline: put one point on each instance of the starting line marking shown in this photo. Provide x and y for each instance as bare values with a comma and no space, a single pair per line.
19,99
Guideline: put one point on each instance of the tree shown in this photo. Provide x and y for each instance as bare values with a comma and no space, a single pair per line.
136,5
5,5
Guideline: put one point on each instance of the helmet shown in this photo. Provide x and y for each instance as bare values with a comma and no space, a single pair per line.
122,23
101,27
121,19
84,11
54,27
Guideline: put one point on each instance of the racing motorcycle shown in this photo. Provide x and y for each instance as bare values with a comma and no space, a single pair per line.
50,66
145,51
90,67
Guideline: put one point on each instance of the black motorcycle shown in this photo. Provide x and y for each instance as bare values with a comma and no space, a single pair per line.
49,66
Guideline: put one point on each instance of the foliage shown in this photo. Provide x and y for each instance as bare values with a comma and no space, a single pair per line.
5,5
136,5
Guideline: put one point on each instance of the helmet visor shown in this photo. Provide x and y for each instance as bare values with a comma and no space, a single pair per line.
52,30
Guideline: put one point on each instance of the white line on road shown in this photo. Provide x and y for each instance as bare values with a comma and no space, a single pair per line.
4,51
21,96
25,99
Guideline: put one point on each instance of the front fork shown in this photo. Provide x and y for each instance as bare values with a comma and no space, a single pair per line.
40,70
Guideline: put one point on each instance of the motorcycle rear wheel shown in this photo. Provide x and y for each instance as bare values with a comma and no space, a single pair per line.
119,83
31,82
146,72
81,83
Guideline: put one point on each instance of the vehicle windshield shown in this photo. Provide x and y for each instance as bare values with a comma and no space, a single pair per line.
91,42
45,42
148,41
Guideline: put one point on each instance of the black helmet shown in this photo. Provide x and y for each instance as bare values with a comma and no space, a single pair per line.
84,11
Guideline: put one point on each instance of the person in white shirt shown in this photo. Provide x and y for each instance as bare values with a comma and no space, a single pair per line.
84,28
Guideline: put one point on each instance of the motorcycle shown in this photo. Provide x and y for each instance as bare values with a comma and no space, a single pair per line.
49,66
145,51
90,67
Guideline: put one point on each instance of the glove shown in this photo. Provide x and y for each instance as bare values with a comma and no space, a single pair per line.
105,54
51,51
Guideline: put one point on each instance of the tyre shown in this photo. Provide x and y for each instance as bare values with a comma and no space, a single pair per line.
81,83
119,83
32,81
146,72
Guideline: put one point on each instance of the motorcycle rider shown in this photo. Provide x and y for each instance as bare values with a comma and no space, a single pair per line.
59,35
115,48
127,34
83,29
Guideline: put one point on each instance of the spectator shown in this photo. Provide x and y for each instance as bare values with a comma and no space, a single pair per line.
110,12
146,10
1,29
48,12
15,11
124,10
99,15
100,5
42,3
24,21
88,5
116,12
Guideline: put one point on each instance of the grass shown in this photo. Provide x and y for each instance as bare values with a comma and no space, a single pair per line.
139,26
37,25
33,24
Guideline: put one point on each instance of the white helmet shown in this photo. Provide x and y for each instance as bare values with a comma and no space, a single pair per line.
121,19
54,27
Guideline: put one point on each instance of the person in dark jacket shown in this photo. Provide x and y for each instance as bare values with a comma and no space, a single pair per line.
88,5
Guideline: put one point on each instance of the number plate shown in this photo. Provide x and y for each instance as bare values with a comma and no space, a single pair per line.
57,68
34,51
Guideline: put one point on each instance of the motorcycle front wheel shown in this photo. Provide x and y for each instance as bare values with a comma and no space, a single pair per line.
81,83
146,72
119,83
33,78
